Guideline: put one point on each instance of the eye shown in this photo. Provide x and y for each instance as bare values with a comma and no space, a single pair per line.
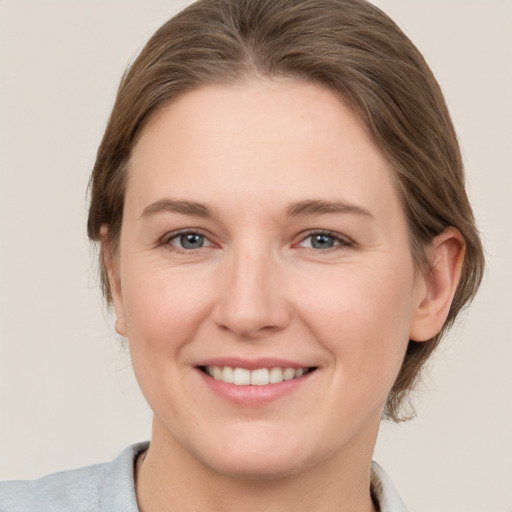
323,240
189,241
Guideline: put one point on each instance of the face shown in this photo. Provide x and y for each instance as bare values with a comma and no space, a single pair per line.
264,278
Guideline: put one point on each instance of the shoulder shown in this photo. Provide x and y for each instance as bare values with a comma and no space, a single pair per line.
75,490
102,487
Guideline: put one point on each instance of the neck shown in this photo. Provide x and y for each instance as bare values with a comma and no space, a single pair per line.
169,478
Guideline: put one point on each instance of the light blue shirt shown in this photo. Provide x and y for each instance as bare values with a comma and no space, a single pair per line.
110,487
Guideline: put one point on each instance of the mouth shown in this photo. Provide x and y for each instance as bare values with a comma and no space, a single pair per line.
258,377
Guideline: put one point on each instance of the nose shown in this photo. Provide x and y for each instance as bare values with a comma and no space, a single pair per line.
252,304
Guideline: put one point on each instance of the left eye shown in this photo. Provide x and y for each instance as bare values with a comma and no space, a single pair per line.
189,241
322,241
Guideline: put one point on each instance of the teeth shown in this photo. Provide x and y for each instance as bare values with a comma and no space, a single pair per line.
288,374
259,377
275,375
241,377
227,374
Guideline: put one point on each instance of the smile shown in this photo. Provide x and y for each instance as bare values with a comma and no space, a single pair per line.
257,377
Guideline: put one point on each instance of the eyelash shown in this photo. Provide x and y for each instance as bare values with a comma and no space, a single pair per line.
339,240
166,241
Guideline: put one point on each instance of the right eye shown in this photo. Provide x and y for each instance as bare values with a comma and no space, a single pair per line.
189,240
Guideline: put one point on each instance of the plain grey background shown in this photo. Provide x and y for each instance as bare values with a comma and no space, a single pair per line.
67,394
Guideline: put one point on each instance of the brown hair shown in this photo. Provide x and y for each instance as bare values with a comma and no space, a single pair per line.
351,47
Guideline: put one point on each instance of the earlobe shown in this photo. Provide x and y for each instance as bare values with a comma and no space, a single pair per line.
109,263
438,286
120,327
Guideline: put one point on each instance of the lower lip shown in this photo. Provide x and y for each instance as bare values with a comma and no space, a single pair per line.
252,396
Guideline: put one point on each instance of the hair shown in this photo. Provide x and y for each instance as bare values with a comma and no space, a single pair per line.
348,46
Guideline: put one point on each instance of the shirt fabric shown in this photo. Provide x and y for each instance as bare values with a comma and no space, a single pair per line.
110,487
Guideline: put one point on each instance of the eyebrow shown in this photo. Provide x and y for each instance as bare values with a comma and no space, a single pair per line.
177,206
296,209
320,207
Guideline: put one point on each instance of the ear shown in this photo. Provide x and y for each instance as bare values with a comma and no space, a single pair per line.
435,290
111,265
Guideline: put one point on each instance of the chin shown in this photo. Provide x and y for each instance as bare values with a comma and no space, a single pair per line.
257,466
253,453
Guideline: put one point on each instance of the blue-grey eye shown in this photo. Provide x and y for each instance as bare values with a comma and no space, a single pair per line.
323,241
189,241
320,241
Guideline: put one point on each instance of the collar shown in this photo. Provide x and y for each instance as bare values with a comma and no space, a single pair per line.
117,490
384,491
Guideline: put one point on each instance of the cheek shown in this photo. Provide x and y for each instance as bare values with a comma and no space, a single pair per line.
164,310
163,307
362,316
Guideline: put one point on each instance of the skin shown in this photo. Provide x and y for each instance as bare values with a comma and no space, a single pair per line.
259,288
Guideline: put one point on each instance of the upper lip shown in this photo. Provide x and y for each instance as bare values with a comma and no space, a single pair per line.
252,364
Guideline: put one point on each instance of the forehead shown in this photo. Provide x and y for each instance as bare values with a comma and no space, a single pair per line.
277,140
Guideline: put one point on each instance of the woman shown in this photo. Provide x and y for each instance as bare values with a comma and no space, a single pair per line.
285,236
